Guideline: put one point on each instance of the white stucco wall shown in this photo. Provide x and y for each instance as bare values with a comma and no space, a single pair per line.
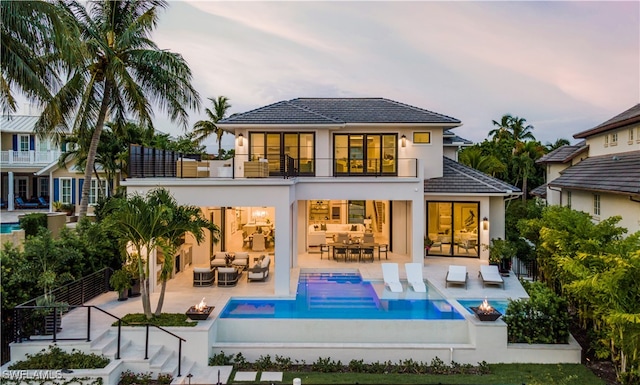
597,142
610,205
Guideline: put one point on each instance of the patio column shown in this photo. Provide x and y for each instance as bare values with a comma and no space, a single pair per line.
10,197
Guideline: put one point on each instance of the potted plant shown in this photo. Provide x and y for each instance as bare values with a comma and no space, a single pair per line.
51,309
121,282
64,207
500,253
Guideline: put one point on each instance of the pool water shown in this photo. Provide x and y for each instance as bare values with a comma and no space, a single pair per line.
6,228
498,304
339,296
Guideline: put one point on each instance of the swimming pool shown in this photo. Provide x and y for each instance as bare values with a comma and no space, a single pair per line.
498,304
6,228
340,295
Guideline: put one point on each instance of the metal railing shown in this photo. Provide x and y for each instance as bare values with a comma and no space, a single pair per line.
153,163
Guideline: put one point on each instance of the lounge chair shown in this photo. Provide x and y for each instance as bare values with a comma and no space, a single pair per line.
260,271
228,276
391,277
490,275
21,204
415,277
203,276
42,203
219,259
457,275
241,260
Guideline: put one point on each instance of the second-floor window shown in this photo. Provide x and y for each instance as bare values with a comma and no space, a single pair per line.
614,139
596,204
631,135
606,140
273,146
569,199
23,142
421,137
365,154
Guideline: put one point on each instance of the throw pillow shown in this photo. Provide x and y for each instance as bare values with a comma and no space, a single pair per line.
315,227
256,266
323,227
354,228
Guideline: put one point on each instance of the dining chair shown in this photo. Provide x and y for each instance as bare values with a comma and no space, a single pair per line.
340,252
383,248
353,253
366,253
324,248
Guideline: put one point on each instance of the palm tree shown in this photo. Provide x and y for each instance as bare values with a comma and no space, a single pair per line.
503,128
557,144
120,72
204,128
519,131
488,164
30,30
152,222
183,219
525,156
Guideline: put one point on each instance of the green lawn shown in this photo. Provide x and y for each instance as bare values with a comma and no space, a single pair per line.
504,374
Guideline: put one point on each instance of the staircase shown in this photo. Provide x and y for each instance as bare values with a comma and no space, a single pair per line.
378,209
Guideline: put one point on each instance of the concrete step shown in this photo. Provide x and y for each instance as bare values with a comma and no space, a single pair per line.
204,375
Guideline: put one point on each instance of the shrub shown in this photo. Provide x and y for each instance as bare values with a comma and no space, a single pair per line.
55,358
542,319
31,223
164,319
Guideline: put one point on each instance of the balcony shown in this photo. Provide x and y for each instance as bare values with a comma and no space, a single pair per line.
28,158
149,163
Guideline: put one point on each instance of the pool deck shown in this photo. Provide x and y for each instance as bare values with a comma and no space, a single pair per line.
180,294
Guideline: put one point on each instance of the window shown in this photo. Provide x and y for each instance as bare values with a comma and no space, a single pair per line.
23,142
569,199
43,187
65,190
95,192
630,135
453,227
422,137
606,140
596,204
356,212
365,154
614,139
274,146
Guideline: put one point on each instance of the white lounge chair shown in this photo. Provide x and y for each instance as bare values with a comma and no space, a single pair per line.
391,277
490,275
415,278
457,275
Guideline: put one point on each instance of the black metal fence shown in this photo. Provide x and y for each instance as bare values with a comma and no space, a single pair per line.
29,319
525,269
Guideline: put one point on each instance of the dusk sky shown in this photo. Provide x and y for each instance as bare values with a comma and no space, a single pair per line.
564,66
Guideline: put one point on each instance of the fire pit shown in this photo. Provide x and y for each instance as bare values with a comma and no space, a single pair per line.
485,312
199,312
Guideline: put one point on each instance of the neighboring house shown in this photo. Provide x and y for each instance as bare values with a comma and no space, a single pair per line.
316,167
601,175
29,166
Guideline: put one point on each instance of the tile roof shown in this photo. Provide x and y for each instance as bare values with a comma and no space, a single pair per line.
628,117
617,174
339,111
456,140
540,191
563,154
460,179
19,124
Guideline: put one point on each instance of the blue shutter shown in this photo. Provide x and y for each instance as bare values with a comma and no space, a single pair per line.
56,189
73,191
15,142
32,142
80,183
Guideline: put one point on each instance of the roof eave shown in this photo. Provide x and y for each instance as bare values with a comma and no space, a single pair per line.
600,129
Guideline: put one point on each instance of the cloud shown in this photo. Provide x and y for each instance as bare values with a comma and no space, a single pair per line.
565,66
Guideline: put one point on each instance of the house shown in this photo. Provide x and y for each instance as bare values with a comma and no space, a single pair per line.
29,167
307,169
601,174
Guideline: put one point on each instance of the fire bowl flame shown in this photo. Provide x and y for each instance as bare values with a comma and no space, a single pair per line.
199,315
485,312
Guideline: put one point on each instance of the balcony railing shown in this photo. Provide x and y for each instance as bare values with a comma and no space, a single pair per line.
29,157
149,163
